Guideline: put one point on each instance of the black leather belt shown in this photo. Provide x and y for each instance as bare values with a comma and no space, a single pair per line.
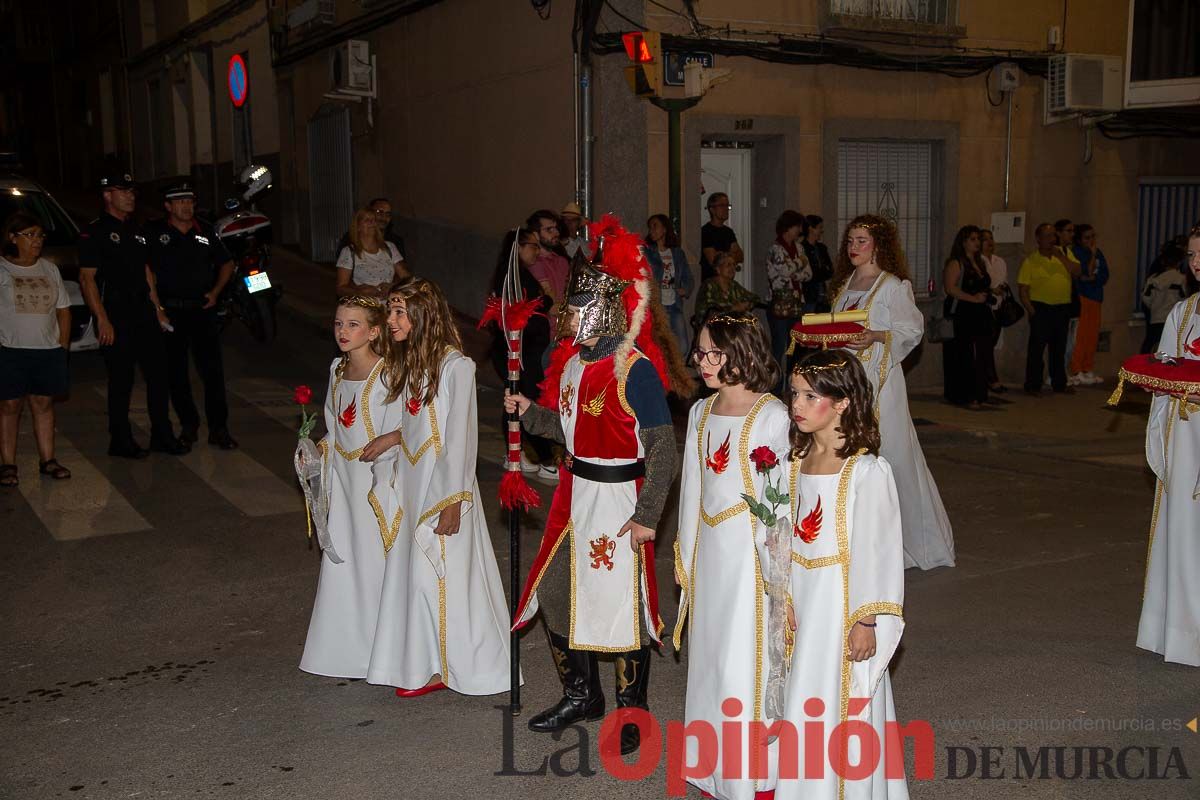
604,473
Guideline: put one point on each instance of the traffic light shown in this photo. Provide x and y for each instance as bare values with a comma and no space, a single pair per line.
644,49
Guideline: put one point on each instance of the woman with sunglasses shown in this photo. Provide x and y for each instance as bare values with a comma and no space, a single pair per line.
35,330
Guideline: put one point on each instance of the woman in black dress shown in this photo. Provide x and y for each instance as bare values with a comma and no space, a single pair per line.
968,304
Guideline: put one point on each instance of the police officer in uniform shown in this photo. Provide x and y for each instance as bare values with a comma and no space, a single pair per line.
191,266
117,287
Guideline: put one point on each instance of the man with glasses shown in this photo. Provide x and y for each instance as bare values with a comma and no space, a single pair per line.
383,218
717,237
117,285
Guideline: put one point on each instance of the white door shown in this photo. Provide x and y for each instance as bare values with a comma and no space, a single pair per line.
728,170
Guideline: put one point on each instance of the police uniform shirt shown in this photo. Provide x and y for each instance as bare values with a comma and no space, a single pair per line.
185,264
117,251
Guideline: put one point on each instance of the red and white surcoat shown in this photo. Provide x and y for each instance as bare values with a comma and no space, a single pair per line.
613,591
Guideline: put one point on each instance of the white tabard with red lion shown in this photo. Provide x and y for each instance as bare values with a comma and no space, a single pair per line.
613,595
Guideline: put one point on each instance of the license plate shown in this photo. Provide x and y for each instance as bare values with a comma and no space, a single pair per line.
257,282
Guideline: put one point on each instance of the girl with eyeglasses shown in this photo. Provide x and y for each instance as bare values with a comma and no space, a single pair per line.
731,435
35,332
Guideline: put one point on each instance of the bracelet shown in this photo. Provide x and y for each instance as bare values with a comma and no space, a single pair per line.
867,624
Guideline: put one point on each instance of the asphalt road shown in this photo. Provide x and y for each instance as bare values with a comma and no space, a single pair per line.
154,613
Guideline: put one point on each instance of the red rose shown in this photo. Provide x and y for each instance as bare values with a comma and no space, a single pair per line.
764,459
302,395
414,406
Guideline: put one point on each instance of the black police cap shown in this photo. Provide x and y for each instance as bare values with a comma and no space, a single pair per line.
179,191
116,180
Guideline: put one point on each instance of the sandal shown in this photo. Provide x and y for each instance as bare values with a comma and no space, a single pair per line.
54,470
8,475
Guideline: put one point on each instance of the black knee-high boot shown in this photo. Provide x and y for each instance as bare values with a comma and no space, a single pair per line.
582,699
633,683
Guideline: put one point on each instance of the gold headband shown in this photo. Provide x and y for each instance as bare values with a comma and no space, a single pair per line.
731,320
360,301
804,369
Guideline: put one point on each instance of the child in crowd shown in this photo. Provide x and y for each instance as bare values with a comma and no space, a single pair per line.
716,564
443,622
341,633
847,584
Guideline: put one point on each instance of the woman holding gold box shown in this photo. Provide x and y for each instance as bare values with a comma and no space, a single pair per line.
871,275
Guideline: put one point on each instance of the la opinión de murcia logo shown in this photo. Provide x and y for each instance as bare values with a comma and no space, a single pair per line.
812,752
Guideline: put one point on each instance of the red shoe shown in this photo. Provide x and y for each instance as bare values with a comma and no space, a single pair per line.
433,687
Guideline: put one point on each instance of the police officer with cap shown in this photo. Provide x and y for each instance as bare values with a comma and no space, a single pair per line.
118,288
191,266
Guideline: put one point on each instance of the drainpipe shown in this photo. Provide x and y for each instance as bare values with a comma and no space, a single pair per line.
1008,151
586,138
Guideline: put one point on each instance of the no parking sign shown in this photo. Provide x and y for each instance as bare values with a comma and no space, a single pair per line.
238,80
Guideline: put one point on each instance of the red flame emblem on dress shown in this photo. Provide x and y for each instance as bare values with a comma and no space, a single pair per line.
1193,347
718,462
349,413
810,527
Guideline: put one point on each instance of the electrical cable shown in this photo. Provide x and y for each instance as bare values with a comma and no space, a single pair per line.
987,87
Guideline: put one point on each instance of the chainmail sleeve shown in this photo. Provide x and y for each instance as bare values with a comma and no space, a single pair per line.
541,421
662,462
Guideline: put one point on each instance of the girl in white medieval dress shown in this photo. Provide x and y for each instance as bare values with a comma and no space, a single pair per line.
871,276
847,587
443,621
341,632
716,561
1170,623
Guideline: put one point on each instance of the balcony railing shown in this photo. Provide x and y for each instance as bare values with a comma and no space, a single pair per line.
930,17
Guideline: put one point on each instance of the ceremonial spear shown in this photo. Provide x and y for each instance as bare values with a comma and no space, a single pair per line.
511,311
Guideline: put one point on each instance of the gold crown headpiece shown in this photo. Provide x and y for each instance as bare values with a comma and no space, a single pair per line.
728,319
361,301
804,369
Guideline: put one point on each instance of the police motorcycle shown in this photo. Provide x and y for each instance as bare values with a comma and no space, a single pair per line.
246,232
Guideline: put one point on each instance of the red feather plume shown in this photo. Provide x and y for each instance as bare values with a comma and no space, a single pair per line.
516,314
559,356
515,491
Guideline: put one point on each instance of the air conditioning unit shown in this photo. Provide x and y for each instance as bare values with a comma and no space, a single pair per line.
1079,83
350,68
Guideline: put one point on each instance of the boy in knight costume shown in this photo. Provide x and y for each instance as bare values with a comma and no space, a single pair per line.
604,399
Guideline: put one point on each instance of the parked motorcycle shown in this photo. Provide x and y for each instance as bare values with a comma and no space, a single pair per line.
246,232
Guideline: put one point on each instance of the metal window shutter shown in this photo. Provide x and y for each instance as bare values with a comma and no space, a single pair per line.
1166,209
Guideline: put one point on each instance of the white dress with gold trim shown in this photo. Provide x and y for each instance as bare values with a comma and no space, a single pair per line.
443,610
722,595
889,303
847,564
341,632
1170,622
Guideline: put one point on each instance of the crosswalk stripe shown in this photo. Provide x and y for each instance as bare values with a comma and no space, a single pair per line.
85,506
246,484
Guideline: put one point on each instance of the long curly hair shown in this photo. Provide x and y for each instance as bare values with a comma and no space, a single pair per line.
416,362
376,314
889,255
838,374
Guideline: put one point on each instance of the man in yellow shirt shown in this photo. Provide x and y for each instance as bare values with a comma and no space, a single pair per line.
1044,282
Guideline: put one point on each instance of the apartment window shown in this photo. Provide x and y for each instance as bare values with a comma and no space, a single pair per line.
894,178
888,14
1167,208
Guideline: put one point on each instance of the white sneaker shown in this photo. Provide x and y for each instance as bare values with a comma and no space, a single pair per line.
1076,379
547,474
1092,378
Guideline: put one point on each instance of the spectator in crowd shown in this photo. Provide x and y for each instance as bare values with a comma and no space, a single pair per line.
535,340
1165,286
35,332
1093,274
968,303
816,291
572,233
383,218
997,270
788,270
1044,281
717,237
551,268
1064,231
723,293
369,264
672,273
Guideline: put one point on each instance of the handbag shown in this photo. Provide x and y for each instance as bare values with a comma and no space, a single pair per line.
940,327
1010,311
